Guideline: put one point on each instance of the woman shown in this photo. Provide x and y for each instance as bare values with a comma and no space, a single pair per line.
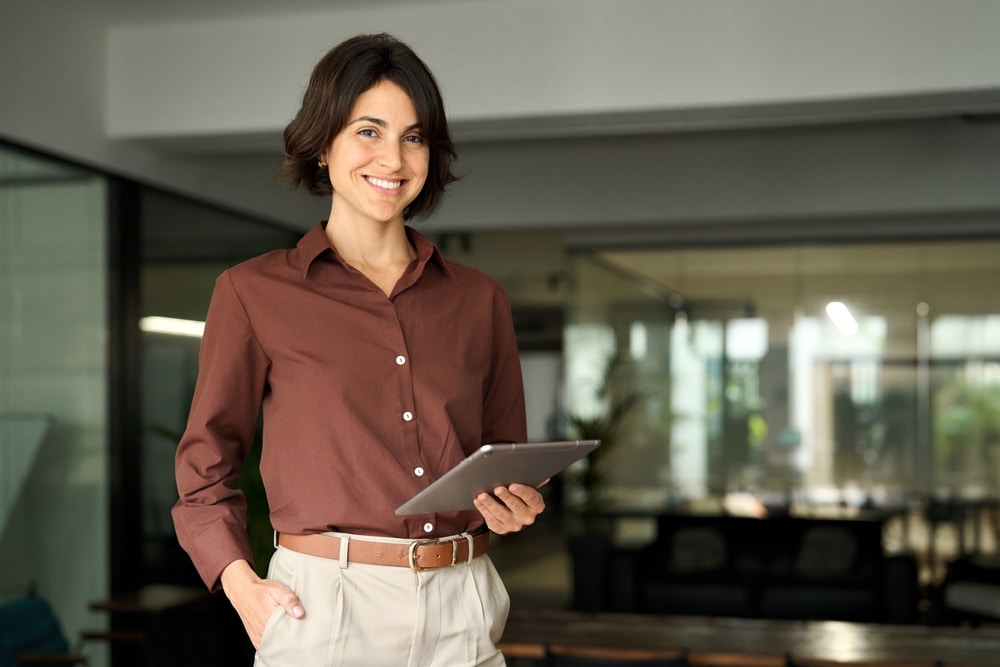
379,365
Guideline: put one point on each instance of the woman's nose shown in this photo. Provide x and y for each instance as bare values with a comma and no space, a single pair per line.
390,156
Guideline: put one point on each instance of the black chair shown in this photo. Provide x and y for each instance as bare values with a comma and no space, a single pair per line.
30,634
947,512
576,656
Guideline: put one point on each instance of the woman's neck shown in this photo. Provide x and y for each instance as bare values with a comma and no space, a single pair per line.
372,242
380,251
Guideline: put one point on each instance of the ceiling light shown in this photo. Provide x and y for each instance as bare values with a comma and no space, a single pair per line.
842,318
172,326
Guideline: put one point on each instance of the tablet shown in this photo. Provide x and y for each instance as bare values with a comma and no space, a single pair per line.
496,465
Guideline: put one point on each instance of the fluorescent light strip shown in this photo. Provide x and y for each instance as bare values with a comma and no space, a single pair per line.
172,326
842,318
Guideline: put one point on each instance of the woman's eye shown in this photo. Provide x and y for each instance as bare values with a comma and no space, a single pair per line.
414,138
367,132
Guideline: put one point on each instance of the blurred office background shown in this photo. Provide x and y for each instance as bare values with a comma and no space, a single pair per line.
686,186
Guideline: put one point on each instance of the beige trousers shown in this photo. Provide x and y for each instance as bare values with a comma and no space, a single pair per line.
381,616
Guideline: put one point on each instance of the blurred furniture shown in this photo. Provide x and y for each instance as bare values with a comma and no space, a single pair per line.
808,662
948,513
151,600
962,516
784,567
735,642
30,634
973,600
970,591
164,625
575,656
703,566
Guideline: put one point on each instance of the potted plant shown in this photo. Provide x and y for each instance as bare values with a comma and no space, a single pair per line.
590,545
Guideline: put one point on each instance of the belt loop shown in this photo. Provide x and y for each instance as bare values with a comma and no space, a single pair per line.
468,538
344,540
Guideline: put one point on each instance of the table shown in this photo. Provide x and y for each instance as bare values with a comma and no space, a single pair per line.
152,599
751,642
145,623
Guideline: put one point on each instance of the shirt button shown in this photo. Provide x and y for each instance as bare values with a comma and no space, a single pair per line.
419,472
407,416
400,360
428,527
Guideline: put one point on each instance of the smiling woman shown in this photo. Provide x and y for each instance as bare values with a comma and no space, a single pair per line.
377,165
341,341
328,109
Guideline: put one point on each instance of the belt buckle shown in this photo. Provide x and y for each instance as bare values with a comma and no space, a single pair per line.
420,543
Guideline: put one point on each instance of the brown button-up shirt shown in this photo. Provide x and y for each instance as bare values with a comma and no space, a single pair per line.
366,399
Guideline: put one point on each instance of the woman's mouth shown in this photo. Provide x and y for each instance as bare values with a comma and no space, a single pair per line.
387,185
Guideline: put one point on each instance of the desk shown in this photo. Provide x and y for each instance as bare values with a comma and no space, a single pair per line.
750,642
153,599
164,625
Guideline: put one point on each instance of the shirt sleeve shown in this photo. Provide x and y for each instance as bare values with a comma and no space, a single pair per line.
210,513
504,417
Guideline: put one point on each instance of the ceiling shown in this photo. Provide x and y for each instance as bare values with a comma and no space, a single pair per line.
122,12
886,279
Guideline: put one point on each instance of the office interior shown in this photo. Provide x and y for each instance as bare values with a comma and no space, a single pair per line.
687,186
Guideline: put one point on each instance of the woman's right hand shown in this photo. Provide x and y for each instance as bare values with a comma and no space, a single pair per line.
255,599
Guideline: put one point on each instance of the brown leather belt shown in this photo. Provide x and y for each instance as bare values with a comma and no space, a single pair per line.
416,555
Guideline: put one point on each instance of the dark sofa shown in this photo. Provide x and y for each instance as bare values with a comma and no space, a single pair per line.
781,567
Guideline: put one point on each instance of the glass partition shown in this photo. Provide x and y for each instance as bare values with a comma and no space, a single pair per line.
53,386
965,403
850,375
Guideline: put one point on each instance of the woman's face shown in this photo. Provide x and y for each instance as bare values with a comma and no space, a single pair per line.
378,162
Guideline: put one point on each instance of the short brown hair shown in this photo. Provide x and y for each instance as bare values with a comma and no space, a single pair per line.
349,69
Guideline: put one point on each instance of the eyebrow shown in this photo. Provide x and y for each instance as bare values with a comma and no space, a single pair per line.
381,123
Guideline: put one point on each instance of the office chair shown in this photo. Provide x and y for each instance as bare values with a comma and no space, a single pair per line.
575,656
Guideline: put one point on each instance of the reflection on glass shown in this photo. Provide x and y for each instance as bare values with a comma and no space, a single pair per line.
54,384
965,396
827,374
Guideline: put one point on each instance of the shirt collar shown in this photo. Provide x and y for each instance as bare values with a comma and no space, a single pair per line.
427,251
314,244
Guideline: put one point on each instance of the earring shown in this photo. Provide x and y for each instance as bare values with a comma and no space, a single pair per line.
322,164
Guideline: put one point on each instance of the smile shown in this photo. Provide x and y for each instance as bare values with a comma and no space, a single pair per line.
388,185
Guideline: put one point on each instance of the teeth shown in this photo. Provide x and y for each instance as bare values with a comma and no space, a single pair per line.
389,185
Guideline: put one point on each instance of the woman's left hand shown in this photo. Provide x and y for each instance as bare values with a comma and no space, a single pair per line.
510,508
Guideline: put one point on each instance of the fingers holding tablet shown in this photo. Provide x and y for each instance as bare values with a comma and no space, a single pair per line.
510,508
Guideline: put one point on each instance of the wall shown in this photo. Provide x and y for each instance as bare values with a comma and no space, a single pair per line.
564,59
